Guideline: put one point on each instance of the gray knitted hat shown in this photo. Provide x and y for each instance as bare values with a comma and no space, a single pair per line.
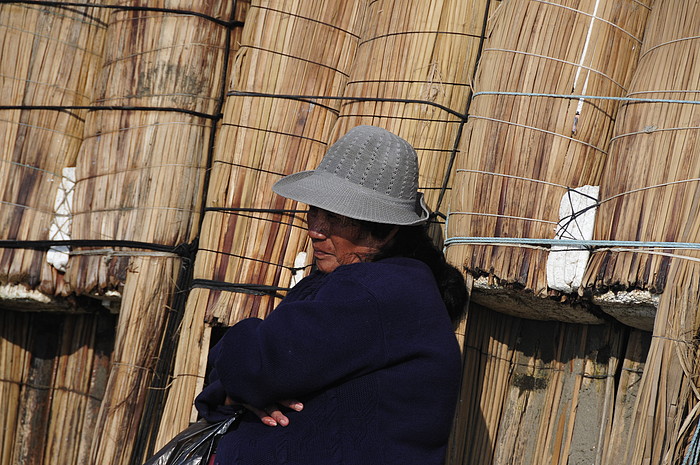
368,174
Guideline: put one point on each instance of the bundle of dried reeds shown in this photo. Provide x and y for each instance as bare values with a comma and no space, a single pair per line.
50,57
148,290
649,186
412,76
540,392
54,369
247,237
14,359
488,351
657,428
140,177
649,194
141,168
250,239
628,390
528,142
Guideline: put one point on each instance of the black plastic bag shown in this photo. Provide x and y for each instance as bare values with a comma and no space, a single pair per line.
194,445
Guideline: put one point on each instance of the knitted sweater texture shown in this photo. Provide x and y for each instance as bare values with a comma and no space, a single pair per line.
368,349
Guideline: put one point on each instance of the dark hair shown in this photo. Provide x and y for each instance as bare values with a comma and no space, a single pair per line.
414,242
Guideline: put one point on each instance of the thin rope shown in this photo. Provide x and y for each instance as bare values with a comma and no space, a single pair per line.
502,216
552,133
569,242
28,207
270,131
656,186
134,209
590,97
63,90
609,23
651,130
109,108
35,168
160,49
265,262
61,13
668,43
182,250
52,39
599,202
306,18
41,128
218,21
566,62
244,288
305,60
407,81
463,170
401,33
146,126
313,98
144,168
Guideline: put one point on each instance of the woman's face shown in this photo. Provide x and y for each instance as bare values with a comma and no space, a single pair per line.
338,240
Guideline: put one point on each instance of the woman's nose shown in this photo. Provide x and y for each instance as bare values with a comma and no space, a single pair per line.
315,234
316,227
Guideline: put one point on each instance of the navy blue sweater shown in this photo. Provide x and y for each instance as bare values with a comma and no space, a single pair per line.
370,351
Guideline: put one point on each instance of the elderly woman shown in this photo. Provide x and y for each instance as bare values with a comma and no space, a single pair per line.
365,343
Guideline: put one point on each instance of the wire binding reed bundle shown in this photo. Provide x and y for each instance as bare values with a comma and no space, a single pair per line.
651,180
650,188
412,76
140,177
251,237
150,283
141,168
527,142
50,57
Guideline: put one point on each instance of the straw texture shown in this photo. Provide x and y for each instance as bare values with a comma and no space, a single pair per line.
54,371
651,181
521,153
414,65
140,172
140,177
142,318
650,190
50,57
245,238
541,392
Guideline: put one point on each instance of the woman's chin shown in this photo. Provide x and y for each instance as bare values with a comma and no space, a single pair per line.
327,264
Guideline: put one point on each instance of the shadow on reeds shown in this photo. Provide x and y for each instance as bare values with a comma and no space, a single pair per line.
533,389
53,377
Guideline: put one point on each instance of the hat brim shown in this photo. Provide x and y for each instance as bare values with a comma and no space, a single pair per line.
340,196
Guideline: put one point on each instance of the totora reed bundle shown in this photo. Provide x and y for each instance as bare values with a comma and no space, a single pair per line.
544,392
650,191
50,59
530,146
412,76
140,176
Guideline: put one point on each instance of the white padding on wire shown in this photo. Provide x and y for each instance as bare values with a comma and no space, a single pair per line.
60,228
567,264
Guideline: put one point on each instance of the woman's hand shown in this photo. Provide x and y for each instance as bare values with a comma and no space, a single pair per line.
272,415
